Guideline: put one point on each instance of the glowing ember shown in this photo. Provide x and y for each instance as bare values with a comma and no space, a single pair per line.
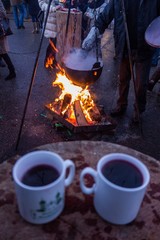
49,62
70,95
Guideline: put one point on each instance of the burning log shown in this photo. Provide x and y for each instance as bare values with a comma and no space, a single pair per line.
57,106
95,114
66,101
68,113
81,121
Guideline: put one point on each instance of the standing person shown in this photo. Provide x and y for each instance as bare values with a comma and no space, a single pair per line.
18,13
34,10
50,31
3,49
139,14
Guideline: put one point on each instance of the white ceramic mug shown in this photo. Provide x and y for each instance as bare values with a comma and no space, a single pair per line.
41,204
116,204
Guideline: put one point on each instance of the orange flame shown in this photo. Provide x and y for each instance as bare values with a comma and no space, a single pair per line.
50,62
77,93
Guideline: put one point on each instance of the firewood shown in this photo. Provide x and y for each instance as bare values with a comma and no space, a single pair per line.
67,113
95,114
56,106
81,120
66,101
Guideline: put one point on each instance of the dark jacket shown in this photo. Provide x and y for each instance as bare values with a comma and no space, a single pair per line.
33,7
148,10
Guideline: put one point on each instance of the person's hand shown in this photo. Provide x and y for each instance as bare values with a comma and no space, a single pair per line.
87,44
89,41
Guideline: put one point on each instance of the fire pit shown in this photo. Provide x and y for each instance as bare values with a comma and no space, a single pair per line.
75,108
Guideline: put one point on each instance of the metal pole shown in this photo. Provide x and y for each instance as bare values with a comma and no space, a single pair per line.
131,64
97,63
33,77
68,17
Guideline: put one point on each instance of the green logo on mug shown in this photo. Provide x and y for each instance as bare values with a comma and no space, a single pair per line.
47,209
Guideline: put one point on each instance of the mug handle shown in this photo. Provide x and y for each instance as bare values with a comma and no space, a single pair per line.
70,165
93,173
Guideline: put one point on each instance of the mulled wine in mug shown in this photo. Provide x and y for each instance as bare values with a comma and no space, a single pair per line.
40,180
120,183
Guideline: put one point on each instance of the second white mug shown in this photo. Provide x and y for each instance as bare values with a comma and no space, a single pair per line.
120,185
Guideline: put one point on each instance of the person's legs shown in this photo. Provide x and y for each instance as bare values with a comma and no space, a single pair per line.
35,24
15,15
2,63
124,83
21,15
11,68
142,70
26,10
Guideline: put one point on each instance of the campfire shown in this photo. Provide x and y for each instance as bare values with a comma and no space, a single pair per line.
75,107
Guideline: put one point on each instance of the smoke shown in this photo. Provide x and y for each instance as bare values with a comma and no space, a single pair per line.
80,59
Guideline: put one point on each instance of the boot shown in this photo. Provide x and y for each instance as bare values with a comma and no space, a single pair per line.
34,27
10,66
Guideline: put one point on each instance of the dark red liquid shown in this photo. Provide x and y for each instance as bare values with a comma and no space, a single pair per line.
122,173
40,175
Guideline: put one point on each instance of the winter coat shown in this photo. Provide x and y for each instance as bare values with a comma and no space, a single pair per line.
33,7
51,27
15,2
3,49
147,12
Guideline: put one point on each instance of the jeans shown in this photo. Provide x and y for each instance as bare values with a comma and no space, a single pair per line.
26,10
141,73
18,14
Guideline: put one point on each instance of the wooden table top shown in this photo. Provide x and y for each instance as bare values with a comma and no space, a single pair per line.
79,219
